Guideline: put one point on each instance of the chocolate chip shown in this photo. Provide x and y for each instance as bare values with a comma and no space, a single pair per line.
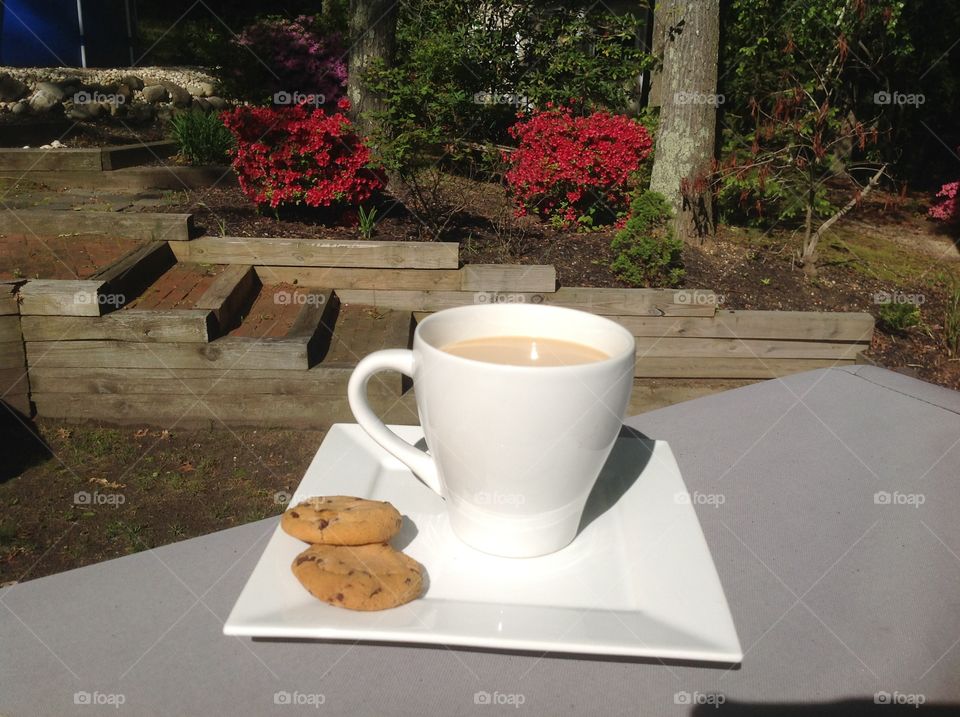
321,524
378,590
351,572
407,581
340,597
294,514
301,559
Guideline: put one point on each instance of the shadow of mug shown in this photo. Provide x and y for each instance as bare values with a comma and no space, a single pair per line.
627,460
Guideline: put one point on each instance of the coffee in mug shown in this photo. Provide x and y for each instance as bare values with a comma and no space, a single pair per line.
525,351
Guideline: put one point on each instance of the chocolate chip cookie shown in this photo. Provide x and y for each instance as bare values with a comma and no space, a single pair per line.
359,577
342,520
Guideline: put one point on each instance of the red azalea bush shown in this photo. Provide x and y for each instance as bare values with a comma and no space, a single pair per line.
297,155
564,164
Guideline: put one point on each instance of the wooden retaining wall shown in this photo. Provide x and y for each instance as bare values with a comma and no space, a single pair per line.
179,350
146,226
93,159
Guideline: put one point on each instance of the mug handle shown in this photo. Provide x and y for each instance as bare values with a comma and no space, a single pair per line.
420,462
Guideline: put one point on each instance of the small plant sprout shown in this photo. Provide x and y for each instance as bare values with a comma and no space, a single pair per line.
368,220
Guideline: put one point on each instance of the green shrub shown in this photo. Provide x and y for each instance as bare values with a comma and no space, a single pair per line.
897,317
202,137
648,253
951,323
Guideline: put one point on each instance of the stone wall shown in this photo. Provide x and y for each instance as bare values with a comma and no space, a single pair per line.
138,94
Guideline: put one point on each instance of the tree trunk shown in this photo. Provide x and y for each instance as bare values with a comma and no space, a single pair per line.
373,26
657,38
686,135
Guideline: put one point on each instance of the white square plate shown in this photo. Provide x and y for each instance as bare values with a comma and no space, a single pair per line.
638,580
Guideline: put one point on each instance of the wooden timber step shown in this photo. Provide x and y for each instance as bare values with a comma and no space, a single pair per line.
606,302
471,278
319,253
138,226
301,345
84,159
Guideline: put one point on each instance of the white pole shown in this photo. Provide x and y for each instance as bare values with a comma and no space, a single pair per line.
83,42
126,5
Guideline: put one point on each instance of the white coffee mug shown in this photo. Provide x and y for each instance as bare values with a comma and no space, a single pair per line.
514,450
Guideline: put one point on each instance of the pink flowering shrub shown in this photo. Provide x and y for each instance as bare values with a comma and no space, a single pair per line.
946,208
299,58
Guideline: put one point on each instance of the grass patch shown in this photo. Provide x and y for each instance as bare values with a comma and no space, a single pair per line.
878,258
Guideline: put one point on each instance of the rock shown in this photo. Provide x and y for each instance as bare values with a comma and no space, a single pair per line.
132,81
217,103
165,113
200,89
20,108
43,101
11,88
199,103
155,93
57,90
141,113
178,95
82,110
125,91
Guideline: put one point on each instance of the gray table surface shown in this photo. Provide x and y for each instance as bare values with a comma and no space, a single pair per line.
830,502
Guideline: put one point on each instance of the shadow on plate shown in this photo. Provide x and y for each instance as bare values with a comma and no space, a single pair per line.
538,654
408,531
630,455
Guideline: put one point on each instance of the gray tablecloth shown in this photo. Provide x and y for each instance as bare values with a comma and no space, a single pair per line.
830,501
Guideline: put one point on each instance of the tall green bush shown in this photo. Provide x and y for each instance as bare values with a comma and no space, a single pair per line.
648,253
